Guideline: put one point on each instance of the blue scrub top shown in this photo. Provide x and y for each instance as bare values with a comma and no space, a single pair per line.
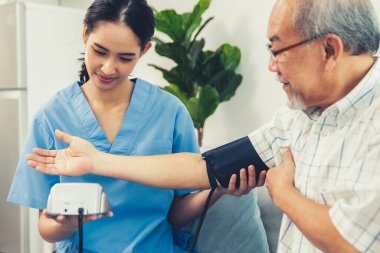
156,123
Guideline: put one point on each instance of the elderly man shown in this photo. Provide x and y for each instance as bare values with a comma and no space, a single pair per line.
323,151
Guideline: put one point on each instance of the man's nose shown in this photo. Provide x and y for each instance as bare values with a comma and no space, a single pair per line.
272,65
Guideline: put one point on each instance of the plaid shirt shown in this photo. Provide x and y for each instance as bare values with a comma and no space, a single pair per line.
337,154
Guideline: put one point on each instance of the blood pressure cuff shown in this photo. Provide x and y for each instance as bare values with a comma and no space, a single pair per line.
229,159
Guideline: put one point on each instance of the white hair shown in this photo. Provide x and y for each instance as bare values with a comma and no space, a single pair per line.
354,21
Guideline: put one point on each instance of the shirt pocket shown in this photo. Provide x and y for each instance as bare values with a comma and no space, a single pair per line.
152,147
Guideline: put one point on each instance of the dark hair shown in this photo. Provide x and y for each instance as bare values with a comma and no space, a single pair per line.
136,14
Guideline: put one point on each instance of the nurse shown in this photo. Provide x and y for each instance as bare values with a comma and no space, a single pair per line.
121,116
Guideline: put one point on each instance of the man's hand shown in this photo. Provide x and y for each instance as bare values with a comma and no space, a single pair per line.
245,187
76,160
280,179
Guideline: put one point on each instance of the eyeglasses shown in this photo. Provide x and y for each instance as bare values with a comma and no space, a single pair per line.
274,54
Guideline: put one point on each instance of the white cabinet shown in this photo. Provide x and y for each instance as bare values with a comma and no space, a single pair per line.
39,48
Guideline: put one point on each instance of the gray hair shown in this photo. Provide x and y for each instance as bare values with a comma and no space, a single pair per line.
354,21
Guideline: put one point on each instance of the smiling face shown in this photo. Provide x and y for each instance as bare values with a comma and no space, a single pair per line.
112,51
300,69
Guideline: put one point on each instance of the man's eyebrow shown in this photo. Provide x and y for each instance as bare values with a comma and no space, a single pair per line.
274,38
121,54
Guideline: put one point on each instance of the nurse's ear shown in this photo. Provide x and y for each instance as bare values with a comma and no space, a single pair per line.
147,47
85,34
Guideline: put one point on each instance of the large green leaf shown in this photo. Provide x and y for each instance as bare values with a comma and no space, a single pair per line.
200,29
210,65
176,91
229,56
201,7
181,27
195,52
183,78
202,105
194,20
202,78
226,57
226,82
172,50
170,23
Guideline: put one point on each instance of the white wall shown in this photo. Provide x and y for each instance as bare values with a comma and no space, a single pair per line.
51,2
242,23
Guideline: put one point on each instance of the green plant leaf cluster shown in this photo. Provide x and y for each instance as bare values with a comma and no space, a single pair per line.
201,79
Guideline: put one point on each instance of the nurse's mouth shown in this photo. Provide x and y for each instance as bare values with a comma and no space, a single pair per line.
105,79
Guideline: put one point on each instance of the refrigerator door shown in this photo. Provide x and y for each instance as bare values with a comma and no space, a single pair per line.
13,236
11,51
53,46
39,48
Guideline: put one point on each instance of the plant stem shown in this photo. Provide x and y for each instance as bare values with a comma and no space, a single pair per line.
200,136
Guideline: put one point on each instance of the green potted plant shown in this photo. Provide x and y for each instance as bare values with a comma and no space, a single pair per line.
201,79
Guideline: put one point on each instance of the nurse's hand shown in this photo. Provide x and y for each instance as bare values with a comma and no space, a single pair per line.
245,187
55,228
76,160
72,220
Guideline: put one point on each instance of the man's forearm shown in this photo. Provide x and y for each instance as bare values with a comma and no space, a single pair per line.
313,220
174,171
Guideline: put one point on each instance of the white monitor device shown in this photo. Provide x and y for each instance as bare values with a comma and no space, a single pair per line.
67,198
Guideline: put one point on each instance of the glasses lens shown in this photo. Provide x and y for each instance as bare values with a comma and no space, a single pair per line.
270,51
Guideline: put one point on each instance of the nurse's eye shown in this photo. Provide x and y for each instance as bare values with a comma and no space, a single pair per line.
125,59
98,52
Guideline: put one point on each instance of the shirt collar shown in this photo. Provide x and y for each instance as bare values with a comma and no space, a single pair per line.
359,97
353,102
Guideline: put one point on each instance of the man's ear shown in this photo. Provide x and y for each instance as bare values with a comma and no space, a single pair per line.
85,34
329,52
146,48
333,50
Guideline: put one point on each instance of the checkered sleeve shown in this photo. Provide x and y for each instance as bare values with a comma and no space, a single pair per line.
356,212
271,137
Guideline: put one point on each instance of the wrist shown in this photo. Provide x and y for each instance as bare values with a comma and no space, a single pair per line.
63,230
219,192
283,197
97,162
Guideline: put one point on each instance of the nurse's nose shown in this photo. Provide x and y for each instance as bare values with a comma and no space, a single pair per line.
109,67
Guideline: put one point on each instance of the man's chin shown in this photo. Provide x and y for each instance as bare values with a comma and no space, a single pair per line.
296,104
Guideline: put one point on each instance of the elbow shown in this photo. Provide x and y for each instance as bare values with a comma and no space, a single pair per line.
174,216
46,237
175,224
348,249
337,246
336,250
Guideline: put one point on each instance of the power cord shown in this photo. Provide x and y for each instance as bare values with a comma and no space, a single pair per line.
204,211
80,225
